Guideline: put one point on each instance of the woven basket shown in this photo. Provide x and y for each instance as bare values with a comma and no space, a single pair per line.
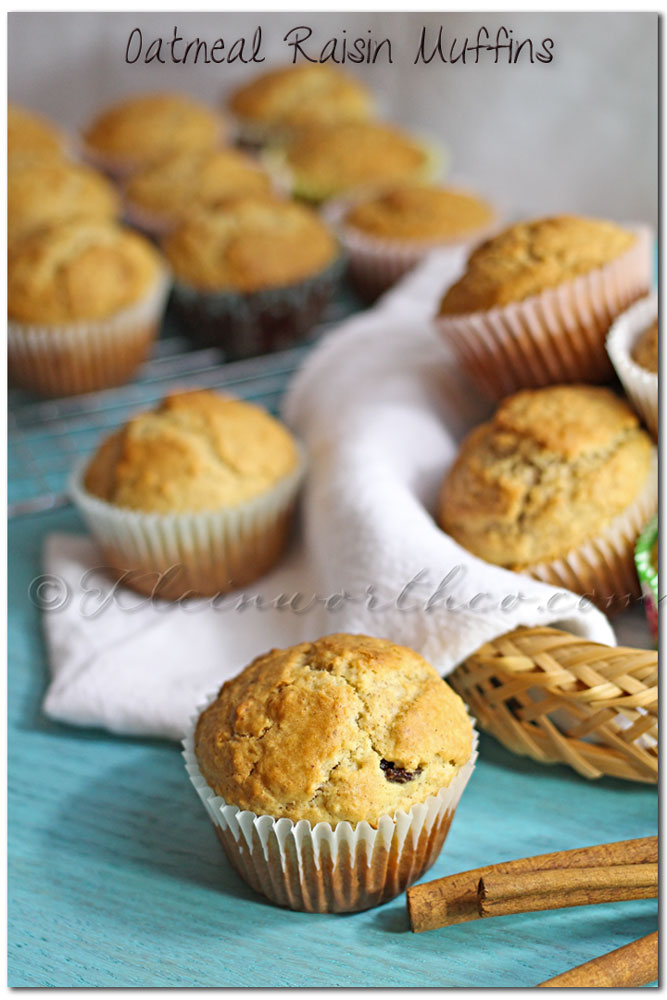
557,698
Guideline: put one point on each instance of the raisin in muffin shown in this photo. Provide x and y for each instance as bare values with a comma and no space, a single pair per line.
556,485
349,730
536,301
192,497
85,301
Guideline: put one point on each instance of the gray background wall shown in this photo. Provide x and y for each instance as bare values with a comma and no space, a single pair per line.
579,134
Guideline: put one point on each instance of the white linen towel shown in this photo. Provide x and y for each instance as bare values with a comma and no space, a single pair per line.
381,409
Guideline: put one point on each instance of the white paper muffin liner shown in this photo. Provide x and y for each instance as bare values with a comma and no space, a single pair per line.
640,385
325,869
603,569
556,336
67,359
375,264
171,556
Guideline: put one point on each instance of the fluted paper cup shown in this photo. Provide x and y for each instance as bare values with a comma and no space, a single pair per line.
375,264
640,385
556,336
172,556
70,358
603,569
325,869
247,324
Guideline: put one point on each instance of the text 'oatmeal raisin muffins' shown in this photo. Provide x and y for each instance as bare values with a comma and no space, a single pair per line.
193,498
632,345
85,300
557,485
276,103
331,770
536,302
388,233
254,274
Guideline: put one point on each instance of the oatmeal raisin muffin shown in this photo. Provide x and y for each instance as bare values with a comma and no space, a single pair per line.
347,729
42,195
85,300
556,485
326,161
632,345
192,497
141,130
290,97
169,191
388,233
536,301
253,275
645,350
31,138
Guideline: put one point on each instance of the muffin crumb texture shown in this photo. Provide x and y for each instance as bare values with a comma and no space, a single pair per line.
645,349
197,451
346,728
551,470
84,269
530,257
250,244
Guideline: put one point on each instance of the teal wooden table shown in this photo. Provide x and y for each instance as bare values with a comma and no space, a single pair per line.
116,877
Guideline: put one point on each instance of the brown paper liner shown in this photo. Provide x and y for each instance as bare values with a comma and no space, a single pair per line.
69,359
603,569
325,869
188,555
554,337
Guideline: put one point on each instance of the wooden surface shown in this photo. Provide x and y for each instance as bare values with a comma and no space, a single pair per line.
116,877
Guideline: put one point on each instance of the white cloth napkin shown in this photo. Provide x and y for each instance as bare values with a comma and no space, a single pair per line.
381,409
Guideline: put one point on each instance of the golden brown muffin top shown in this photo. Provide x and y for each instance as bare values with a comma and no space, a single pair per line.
196,451
420,212
530,257
551,470
31,137
84,269
250,244
40,195
185,182
347,728
328,160
306,94
141,129
645,349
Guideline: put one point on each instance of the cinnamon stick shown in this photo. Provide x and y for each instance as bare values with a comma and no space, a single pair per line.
524,892
453,900
635,964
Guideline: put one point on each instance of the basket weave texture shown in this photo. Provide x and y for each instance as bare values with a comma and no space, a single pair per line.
557,698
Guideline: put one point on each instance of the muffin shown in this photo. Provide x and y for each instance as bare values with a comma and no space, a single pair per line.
536,301
276,103
85,300
556,485
327,161
41,195
387,234
647,562
632,345
166,193
31,138
332,770
192,498
141,130
253,275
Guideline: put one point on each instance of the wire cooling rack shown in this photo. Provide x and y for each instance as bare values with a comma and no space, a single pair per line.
48,437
